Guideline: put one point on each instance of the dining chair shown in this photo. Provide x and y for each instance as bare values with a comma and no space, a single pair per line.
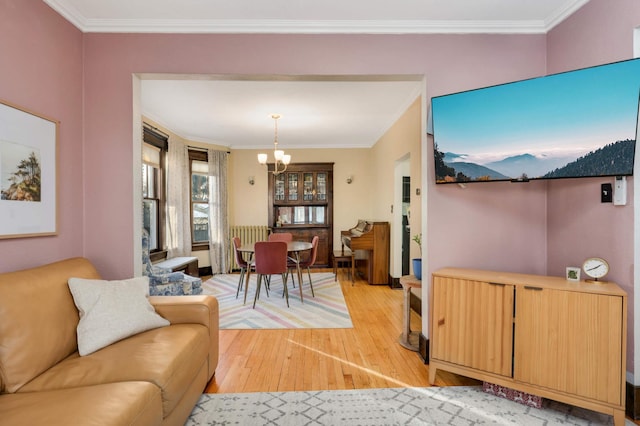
287,237
270,257
283,236
243,264
307,262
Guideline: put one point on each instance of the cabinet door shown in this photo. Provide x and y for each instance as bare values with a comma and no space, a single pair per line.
314,187
321,187
278,188
292,187
309,187
307,234
569,341
472,324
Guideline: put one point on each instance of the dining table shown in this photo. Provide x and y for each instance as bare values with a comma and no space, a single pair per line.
295,248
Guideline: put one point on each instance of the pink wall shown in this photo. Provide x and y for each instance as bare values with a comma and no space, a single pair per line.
41,70
499,226
579,225
450,63
598,33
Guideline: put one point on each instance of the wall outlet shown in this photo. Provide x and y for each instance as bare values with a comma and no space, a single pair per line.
620,191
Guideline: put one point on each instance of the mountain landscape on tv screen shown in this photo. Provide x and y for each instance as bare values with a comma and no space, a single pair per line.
615,159
574,124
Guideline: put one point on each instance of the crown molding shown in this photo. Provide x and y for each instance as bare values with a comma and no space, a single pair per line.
309,27
563,12
273,26
68,12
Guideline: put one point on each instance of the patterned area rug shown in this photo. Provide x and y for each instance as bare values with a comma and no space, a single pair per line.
403,406
326,310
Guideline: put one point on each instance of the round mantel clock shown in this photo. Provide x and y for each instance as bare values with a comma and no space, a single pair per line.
596,268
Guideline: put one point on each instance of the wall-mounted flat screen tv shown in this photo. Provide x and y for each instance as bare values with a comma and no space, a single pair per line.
580,123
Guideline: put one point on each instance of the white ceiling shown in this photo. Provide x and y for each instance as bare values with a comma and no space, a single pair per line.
316,112
324,111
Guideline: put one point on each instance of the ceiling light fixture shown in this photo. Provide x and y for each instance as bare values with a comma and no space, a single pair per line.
280,157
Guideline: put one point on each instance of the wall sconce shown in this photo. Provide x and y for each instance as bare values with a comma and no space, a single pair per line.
349,179
252,180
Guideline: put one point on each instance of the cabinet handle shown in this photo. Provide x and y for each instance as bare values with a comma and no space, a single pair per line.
441,321
528,287
498,284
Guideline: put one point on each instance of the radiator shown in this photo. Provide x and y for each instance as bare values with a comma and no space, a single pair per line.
248,234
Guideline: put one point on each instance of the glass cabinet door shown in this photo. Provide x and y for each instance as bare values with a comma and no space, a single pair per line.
303,187
278,190
308,187
321,186
292,186
316,215
300,215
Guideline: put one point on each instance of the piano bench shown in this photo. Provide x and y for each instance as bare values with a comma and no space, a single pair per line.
344,257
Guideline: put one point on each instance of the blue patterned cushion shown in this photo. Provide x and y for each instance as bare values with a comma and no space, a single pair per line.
163,282
194,285
161,286
159,289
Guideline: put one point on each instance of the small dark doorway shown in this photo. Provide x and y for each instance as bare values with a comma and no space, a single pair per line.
406,238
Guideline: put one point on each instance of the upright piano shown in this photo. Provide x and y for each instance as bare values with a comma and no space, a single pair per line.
373,239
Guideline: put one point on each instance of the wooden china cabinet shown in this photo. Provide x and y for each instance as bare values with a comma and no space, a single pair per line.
301,202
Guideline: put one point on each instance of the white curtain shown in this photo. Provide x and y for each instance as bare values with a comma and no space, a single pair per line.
218,217
178,217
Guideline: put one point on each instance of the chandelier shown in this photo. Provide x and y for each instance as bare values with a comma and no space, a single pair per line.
281,159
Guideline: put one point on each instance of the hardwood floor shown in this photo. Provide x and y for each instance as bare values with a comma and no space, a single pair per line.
365,356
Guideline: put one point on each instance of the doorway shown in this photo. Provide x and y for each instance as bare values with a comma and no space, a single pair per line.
406,232
401,217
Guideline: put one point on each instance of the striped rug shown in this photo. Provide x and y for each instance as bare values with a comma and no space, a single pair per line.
326,310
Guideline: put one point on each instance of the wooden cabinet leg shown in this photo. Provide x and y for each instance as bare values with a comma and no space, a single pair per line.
618,418
432,374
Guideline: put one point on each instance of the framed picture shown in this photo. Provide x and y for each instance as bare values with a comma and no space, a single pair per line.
28,173
573,273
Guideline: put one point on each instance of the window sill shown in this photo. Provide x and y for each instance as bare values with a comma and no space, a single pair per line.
158,255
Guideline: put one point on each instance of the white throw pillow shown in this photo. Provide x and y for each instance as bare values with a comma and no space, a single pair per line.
111,311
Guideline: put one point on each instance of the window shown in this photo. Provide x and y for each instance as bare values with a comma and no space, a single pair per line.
150,203
200,182
153,189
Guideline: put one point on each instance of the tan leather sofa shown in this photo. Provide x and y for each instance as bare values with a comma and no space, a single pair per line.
152,378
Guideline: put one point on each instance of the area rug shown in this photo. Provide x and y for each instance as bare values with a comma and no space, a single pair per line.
456,405
326,310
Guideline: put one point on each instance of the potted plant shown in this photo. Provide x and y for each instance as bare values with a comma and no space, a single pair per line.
417,262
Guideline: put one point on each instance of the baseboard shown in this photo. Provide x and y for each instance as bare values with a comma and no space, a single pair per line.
395,283
632,406
423,348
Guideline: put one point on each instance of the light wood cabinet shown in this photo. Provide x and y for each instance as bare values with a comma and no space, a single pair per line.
475,324
547,336
570,341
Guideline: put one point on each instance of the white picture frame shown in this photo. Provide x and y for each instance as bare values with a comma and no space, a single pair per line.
572,273
28,173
